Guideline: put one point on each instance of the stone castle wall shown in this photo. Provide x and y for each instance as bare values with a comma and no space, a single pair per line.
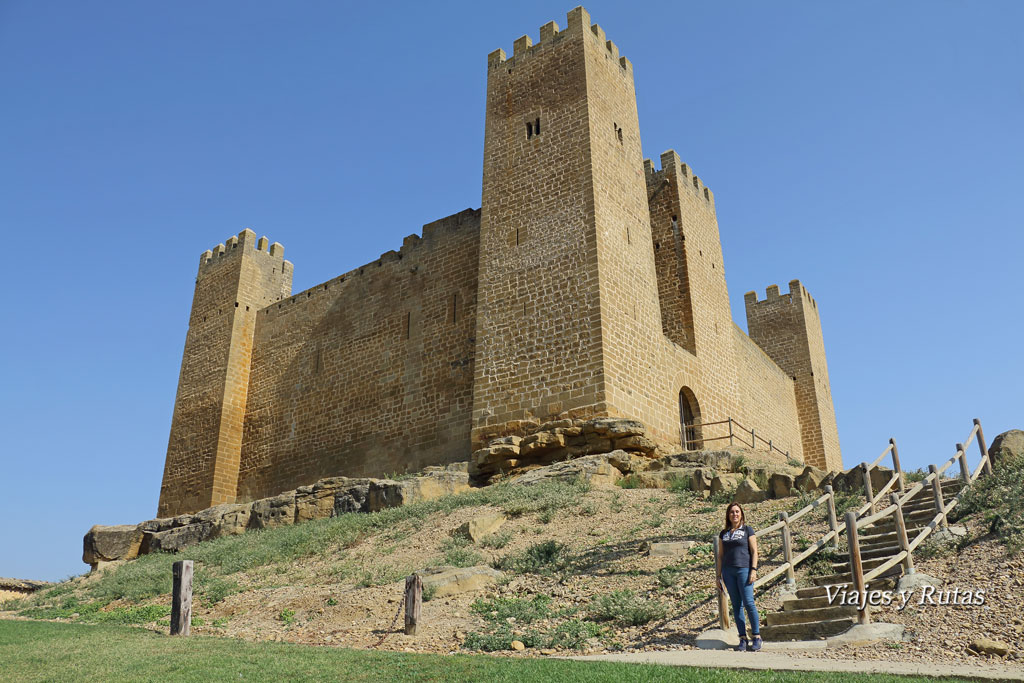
589,284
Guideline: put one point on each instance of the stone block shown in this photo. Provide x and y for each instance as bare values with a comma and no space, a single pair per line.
810,479
478,527
780,485
178,538
749,492
277,511
637,443
676,549
453,580
109,543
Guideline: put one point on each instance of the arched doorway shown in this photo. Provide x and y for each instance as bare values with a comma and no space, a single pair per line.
691,435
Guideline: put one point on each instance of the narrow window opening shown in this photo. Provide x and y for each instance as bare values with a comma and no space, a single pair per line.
236,304
628,240
536,126
657,246
529,130
619,132
517,237
408,325
455,307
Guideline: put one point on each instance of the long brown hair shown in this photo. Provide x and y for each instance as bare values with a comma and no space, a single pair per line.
743,516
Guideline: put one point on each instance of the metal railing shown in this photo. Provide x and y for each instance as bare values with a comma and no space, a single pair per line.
736,433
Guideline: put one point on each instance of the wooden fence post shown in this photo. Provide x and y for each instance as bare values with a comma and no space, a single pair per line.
856,569
896,465
753,441
901,530
940,506
787,549
730,431
413,603
181,598
832,524
965,469
867,481
983,448
723,611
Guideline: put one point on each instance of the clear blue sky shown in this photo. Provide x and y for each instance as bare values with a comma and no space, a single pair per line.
873,150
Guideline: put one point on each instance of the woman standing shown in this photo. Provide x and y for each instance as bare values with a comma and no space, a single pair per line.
737,572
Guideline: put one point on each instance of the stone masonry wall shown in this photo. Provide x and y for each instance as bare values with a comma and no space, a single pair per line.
539,330
788,328
369,373
234,281
768,397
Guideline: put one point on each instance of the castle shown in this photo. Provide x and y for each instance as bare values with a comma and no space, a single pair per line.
589,283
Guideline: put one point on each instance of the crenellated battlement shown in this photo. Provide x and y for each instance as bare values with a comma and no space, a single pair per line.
434,235
773,296
237,244
577,22
685,177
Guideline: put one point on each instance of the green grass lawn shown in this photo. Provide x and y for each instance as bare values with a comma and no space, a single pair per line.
49,651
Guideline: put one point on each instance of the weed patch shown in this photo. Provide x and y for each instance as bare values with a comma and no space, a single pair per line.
627,608
999,499
546,557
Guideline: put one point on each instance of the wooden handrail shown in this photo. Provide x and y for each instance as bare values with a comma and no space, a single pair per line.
884,453
878,496
807,508
882,568
875,518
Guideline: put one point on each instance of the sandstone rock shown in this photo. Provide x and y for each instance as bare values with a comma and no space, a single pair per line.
628,463
478,527
638,443
701,479
1007,445
352,496
594,469
725,482
614,428
663,479
434,485
384,493
273,512
749,492
315,502
541,441
503,449
452,580
176,539
987,646
513,440
159,524
780,485
109,543
555,424
723,461
228,519
517,645
810,479
675,549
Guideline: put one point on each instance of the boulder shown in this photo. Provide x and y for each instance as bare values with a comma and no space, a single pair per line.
273,512
810,479
637,443
780,485
725,482
228,519
446,581
316,501
109,543
701,481
478,527
663,479
629,463
352,496
719,460
1006,446
384,493
434,485
541,441
614,428
594,469
987,646
159,524
749,492
176,539
676,549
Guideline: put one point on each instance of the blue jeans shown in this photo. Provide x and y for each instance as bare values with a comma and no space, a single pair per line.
741,594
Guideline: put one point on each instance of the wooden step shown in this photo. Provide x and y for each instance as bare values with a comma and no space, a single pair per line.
806,616
886,551
866,564
808,631
846,577
811,592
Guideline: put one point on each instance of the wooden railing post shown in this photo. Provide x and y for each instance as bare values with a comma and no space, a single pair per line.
787,549
723,611
940,506
730,431
753,440
867,481
413,603
832,524
856,570
901,530
896,465
987,467
965,469
181,598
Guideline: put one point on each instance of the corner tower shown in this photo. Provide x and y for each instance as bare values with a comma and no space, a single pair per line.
568,289
235,280
787,327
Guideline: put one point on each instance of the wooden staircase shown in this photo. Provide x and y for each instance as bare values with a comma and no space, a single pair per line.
808,616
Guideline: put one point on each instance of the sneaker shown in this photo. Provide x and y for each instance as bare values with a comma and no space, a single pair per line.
742,647
756,645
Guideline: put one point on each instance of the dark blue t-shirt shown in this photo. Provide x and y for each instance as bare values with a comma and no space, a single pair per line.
735,547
